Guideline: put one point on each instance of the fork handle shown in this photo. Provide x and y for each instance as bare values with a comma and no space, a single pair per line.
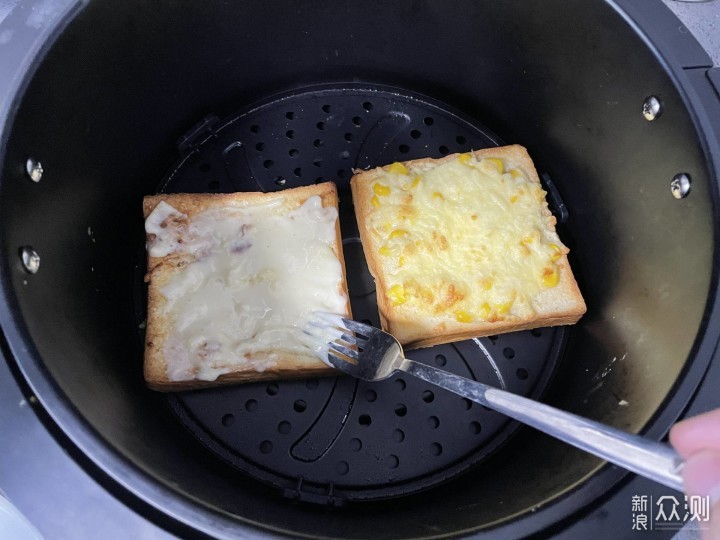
653,460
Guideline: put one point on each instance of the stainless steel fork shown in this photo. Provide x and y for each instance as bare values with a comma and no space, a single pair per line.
370,354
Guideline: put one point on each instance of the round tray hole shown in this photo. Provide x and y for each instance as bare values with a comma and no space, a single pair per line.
433,422
268,163
260,147
436,449
440,360
348,137
536,332
444,150
205,167
509,353
400,385
298,172
460,139
415,134
400,410
370,395
280,181
254,128
364,420
251,405
428,121
326,108
342,467
367,106
475,428
344,154
404,148
300,406
357,121
294,152
355,444
467,404
272,389
320,125
393,461
227,420
290,115
428,396
284,427
290,134
317,162
317,143
522,373
266,447
213,185
398,435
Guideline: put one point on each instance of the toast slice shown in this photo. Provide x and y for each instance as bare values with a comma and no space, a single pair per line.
232,278
462,247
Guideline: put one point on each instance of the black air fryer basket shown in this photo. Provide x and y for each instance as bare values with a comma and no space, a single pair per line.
616,107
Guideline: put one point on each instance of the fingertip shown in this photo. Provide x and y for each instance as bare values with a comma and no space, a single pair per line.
701,475
697,433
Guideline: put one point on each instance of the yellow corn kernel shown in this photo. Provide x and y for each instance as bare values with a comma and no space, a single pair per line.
401,261
557,252
396,294
516,173
381,189
384,250
398,168
524,249
438,195
375,201
415,182
528,240
484,311
514,198
387,227
550,277
398,233
464,158
486,283
497,163
463,316
504,307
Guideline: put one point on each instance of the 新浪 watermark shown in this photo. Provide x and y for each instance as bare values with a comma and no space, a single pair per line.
669,512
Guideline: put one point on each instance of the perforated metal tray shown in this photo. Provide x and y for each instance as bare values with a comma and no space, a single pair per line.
334,440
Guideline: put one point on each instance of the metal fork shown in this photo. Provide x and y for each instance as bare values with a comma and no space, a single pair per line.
370,354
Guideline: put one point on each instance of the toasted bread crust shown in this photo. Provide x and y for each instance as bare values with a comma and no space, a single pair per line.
559,305
161,269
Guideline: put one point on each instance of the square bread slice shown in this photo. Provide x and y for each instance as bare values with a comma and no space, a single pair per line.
233,278
462,247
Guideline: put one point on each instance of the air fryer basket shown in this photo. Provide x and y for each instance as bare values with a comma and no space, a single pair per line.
305,92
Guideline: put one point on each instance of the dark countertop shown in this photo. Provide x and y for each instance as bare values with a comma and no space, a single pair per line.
64,502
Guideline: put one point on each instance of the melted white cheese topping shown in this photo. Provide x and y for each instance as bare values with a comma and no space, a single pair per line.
259,272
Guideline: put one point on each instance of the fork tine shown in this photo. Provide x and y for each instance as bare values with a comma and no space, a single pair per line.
350,353
354,340
343,365
330,319
358,328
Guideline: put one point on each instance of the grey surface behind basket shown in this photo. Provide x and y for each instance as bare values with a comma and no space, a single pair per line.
702,19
